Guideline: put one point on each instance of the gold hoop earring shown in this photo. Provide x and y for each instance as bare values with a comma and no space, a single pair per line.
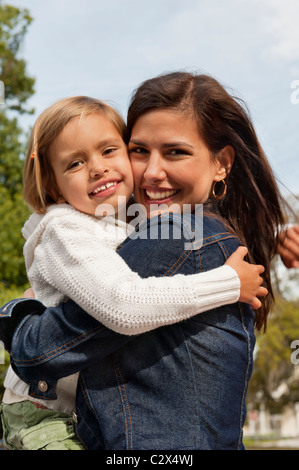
224,189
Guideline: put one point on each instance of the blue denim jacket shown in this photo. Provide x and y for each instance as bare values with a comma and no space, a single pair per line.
178,387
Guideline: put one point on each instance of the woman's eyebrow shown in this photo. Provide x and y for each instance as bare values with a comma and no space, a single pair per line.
137,142
177,144
165,145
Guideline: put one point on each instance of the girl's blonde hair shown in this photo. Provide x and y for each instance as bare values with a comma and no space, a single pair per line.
39,185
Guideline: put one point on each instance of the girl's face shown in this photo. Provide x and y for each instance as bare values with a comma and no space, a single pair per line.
170,161
91,164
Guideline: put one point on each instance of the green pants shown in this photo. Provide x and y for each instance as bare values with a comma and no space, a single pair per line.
26,426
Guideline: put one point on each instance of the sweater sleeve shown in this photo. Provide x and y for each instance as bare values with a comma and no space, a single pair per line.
72,259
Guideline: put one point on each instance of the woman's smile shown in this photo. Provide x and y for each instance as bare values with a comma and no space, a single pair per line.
171,162
158,195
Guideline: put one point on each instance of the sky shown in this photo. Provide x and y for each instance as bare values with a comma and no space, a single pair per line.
106,48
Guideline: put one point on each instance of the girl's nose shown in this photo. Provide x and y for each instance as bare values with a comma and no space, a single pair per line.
98,167
154,170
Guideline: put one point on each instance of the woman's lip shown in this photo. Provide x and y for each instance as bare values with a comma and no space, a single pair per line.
162,200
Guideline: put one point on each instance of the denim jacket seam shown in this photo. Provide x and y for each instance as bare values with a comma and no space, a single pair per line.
57,351
89,405
223,249
186,253
125,405
193,377
246,377
211,240
8,307
43,397
85,394
174,267
224,236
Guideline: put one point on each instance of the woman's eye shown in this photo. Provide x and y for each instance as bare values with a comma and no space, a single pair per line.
175,152
137,150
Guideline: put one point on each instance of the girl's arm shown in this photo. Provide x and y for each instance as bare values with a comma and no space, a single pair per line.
74,261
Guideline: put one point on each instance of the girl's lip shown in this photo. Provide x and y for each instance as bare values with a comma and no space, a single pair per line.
112,186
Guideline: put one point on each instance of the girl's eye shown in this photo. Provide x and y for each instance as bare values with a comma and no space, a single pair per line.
109,151
75,165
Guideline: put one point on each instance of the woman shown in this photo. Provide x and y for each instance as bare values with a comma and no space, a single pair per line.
182,386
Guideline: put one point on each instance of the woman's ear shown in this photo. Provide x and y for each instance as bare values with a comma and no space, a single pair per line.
225,160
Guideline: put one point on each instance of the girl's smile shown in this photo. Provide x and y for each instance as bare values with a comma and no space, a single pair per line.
91,164
105,188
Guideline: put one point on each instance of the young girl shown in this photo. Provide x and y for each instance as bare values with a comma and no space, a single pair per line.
77,162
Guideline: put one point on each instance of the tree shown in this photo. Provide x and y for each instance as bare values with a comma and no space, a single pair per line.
273,365
18,87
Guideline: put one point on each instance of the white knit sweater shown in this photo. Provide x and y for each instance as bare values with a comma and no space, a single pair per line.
69,254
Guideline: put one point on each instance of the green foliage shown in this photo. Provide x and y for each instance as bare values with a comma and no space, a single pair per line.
18,88
273,364
13,211
5,296
14,23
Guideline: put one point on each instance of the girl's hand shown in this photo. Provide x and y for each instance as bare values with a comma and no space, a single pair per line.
250,279
28,294
289,247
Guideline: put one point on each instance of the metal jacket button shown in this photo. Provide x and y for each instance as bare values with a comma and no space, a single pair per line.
42,386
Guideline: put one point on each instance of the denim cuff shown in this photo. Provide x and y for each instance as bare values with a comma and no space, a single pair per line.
42,389
11,315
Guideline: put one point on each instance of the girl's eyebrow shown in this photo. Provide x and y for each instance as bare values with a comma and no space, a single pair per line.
65,159
80,152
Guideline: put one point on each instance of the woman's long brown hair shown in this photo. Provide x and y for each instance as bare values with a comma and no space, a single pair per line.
253,205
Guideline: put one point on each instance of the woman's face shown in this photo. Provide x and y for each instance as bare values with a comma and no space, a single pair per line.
170,161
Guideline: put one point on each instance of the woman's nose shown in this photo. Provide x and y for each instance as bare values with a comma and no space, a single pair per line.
154,170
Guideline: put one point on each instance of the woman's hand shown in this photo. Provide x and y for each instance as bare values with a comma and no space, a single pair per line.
288,247
250,279
29,294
